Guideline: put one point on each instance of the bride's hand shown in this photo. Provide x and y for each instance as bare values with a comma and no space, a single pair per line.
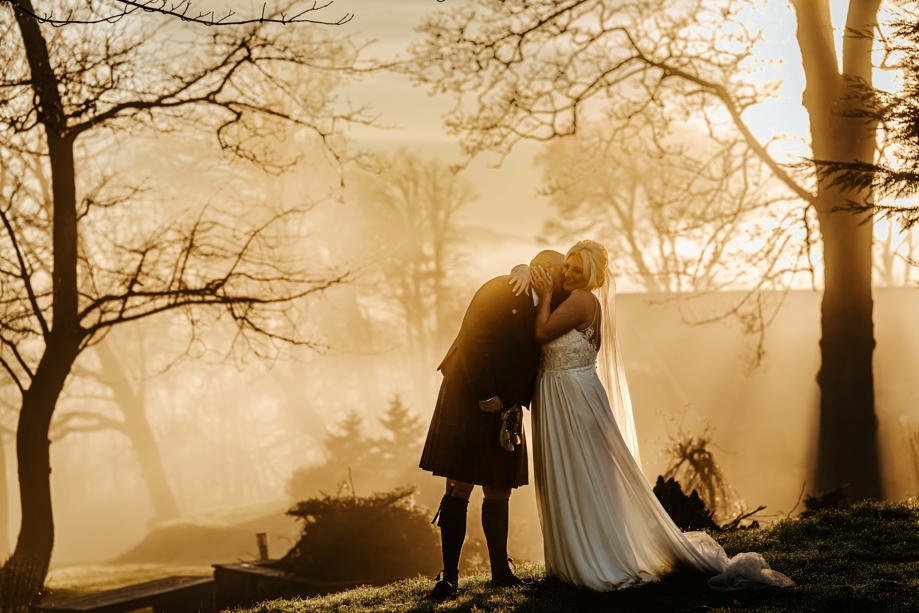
542,282
520,279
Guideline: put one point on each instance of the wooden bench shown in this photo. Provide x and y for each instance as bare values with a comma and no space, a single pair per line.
168,595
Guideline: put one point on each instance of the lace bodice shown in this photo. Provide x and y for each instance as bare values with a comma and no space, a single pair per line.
570,350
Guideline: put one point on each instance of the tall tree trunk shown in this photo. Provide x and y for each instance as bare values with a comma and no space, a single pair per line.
847,453
4,503
32,555
137,429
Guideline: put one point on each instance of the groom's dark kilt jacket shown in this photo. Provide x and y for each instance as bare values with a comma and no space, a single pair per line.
495,353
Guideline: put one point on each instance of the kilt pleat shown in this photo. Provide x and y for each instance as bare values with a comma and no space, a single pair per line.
462,442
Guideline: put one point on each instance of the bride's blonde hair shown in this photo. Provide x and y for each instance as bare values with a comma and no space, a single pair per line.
595,260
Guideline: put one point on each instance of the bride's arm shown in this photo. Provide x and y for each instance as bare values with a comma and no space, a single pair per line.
574,312
520,279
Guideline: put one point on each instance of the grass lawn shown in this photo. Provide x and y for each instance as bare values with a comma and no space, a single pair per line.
861,558
72,581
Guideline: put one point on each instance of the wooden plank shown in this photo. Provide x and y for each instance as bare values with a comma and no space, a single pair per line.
250,582
178,593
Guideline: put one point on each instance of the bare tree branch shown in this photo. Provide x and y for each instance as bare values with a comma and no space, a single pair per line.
10,371
70,99
185,10
25,275
73,422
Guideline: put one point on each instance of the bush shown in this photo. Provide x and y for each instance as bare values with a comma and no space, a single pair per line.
693,464
687,512
372,539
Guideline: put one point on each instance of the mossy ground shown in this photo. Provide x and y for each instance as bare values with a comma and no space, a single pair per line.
860,558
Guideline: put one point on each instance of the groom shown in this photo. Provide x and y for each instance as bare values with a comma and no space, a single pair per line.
490,367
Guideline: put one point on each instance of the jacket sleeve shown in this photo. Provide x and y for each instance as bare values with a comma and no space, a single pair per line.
484,333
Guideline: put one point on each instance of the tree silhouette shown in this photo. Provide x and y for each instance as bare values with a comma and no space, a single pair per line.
896,177
412,207
684,230
348,453
346,445
5,436
532,70
355,460
404,432
70,271
128,392
185,10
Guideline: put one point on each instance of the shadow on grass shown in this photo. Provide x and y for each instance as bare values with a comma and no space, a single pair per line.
683,592
861,558
676,592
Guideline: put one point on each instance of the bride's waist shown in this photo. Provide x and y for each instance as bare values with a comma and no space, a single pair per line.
549,368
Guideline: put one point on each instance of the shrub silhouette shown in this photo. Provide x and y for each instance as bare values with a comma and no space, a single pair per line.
363,539
693,464
687,512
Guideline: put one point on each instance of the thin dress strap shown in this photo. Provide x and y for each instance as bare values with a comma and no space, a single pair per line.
592,332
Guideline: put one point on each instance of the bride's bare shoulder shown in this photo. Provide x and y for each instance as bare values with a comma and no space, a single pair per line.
582,300
581,296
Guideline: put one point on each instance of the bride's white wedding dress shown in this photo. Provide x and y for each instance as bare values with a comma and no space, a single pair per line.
603,527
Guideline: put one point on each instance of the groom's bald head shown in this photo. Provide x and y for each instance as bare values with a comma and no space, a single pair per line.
548,258
553,261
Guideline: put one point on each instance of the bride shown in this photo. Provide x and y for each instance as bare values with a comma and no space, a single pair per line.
603,527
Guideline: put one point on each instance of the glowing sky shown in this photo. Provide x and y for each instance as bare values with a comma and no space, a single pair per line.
508,204
508,201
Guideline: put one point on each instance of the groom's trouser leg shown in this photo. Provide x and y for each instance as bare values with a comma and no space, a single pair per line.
495,526
452,524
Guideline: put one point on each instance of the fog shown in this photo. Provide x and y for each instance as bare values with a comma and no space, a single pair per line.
230,432
179,418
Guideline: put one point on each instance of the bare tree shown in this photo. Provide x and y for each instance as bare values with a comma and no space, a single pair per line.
70,272
895,255
117,371
190,11
530,69
689,229
6,436
414,207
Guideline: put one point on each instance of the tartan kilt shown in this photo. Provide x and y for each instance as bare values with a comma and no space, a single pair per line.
462,442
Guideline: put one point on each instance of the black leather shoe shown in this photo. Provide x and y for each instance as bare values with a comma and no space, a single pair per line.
507,580
444,589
